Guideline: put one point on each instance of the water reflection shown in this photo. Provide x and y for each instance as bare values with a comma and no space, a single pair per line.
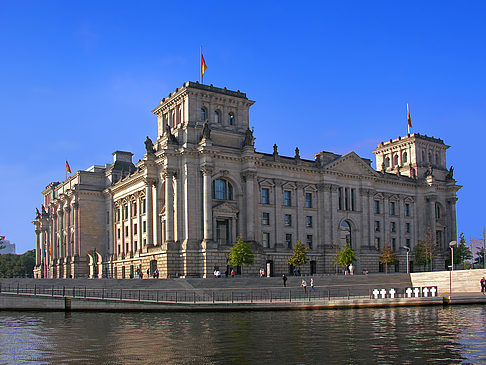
361,336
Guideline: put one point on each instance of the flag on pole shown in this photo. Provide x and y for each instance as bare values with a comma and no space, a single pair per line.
203,66
409,119
68,169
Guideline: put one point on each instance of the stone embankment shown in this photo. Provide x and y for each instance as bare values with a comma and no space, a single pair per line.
245,293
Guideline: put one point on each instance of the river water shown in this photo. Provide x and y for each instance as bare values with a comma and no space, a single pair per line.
406,335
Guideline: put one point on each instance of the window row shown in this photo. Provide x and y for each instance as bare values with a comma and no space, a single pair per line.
393,244
134,229
392,208
230,117
265,198
396,159
127,246
393,227
287,220
346,199
122,212
288,240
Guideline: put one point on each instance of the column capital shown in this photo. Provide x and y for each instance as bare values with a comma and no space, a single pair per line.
248,175
207,170
169,172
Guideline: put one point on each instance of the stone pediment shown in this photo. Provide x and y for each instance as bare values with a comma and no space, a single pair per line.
351,163
225,208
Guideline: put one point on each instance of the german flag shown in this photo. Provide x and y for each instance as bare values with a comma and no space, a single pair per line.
68,169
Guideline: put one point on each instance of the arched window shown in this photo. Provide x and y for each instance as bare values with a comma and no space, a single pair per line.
346,234
395,160
204,114
405,157
217,116
222,190
387,162
231,118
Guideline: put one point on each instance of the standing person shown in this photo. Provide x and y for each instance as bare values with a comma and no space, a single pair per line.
304,285
232,273
284,279
312,284
483,285
351,269
148,274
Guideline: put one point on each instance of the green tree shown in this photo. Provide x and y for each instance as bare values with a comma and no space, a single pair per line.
423,253
387,257
345,256
17,265
462,252
299,255
241,254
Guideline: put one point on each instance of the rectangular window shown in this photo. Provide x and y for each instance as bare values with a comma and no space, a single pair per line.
134,209
309,241
353,202
407,242
394,244
143,206
308,200
119,249
407,226
126,231
266,239
377,207
144,226
144,242
125,212
393,227
118,232
288,240
346,198
392,208
288,198
222,232
135,246
308,221
377,243
407,210
265,196
265,218
377,226
288,220
340,198
135,228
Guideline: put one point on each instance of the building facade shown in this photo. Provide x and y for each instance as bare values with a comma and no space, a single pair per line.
201,184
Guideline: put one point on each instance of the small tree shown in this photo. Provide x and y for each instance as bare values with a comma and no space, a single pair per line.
345,256
299,255
462,252
241,254
424,252
387,257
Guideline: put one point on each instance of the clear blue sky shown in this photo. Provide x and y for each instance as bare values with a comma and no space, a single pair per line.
78,80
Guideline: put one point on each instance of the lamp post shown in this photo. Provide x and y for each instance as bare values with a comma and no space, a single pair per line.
408,262
451,245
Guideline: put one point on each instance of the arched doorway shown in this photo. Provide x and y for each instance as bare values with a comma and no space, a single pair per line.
345,234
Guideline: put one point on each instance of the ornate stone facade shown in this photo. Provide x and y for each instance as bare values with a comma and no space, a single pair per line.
201,184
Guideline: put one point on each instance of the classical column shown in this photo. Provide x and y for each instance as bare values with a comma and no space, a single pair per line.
76,229
371,223
453,230
139,224
155,215
249,176
68,231
320,241
207,204
386,222
401,226
278,219
299,218
169,205
149,212
130,225
363,193
37,246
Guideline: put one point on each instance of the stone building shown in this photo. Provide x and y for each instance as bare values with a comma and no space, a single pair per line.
201,184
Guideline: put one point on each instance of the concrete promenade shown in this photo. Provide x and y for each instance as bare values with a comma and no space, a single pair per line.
247,293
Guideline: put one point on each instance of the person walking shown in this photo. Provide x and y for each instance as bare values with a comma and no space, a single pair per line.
483,285
284,279
304,285
312,284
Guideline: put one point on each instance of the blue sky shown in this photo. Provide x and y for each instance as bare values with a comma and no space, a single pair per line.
78,80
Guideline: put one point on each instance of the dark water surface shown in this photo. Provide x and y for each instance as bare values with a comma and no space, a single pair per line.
413,335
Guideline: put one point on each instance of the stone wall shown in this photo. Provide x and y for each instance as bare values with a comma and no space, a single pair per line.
463,281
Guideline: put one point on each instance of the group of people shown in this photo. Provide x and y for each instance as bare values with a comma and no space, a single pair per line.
139,273
349,270
217,273
262,273
303,284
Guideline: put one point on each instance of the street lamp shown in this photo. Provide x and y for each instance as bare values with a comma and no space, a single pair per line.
451,245
408,262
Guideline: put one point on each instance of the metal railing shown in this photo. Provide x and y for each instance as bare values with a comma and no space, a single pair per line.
196,296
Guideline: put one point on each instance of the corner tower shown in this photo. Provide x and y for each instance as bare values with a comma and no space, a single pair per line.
185,112
414,155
